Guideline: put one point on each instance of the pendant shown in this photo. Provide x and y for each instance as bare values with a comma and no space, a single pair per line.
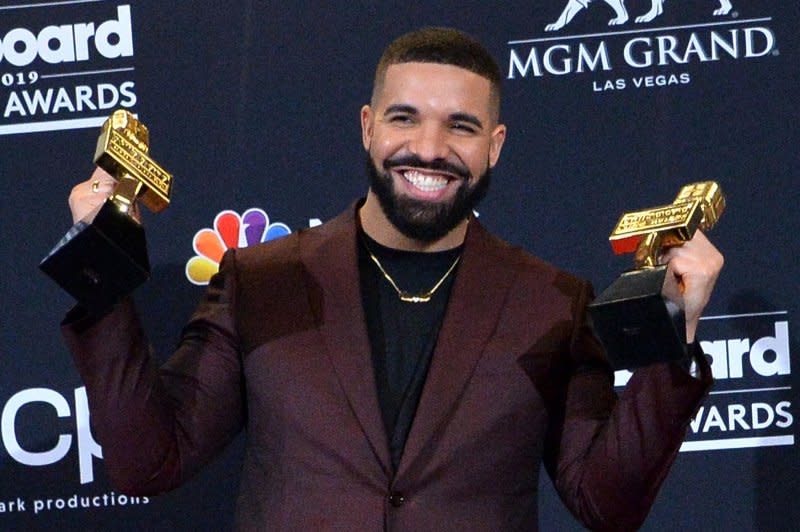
405,297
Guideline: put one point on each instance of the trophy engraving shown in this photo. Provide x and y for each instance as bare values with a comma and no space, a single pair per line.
104,256
635,322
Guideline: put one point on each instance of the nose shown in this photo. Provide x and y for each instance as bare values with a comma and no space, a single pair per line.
429,142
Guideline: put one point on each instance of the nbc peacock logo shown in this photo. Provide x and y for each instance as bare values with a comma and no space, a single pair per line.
231,230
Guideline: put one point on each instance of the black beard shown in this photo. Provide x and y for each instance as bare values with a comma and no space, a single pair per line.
422,220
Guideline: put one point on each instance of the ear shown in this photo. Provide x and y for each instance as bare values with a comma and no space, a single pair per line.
367,126
498,137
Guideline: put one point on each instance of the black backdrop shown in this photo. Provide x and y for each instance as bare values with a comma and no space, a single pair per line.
255,105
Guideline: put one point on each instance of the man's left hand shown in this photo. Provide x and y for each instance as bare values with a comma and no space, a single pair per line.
692,271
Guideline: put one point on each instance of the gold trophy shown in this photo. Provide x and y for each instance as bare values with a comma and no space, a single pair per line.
104,256
638,325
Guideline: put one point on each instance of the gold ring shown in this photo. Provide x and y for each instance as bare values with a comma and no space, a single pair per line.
95,185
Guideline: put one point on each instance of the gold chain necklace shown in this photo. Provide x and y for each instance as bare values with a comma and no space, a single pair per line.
404,296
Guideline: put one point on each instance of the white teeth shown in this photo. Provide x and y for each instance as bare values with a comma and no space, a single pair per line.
424,182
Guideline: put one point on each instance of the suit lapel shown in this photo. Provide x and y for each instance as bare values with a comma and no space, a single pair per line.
471,317
331,258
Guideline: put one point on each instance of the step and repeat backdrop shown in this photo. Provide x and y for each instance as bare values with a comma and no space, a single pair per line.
254,106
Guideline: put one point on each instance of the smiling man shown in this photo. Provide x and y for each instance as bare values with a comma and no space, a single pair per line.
432,136
398,368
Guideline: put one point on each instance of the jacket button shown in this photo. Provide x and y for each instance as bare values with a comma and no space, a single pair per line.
396,500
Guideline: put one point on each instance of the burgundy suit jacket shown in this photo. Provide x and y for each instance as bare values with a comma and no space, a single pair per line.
279,347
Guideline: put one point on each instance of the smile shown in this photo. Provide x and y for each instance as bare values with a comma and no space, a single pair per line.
425,182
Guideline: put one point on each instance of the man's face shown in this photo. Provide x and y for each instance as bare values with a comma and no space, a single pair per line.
431,138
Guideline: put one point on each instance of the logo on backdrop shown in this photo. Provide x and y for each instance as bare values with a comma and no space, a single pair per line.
630,55
64,65
26,416
751,402
231,230
656,8
86,446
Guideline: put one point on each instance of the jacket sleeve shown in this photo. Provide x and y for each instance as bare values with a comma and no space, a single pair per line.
157,426
608,456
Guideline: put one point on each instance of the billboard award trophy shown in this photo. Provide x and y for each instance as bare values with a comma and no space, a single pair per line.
104,256
634,321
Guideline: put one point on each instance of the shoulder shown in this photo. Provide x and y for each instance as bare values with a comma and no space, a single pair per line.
286,252
527,269
544,306
271,281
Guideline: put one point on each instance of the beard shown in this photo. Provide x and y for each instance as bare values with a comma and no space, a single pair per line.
425,221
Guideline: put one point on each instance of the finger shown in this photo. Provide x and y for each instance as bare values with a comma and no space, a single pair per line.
673,288
699,249
101,175
101,183
88,195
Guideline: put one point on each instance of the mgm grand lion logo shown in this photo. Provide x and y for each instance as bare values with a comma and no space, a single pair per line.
656,8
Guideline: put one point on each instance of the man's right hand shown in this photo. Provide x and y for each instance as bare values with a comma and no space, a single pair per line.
87,196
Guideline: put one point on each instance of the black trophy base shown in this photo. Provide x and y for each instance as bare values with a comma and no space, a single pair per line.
636,324
100,262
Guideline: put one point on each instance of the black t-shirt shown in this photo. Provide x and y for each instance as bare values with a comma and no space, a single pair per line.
402,334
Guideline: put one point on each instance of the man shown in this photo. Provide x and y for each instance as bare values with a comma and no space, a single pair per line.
398,368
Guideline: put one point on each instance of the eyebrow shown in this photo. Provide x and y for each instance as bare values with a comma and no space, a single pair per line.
466,117
457,117
401,108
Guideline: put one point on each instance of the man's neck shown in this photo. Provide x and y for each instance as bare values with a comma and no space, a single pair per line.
375,223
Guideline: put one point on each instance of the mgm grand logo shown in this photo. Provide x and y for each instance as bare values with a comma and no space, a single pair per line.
656,8
647,55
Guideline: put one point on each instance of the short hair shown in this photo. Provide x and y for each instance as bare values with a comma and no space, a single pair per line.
446,46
